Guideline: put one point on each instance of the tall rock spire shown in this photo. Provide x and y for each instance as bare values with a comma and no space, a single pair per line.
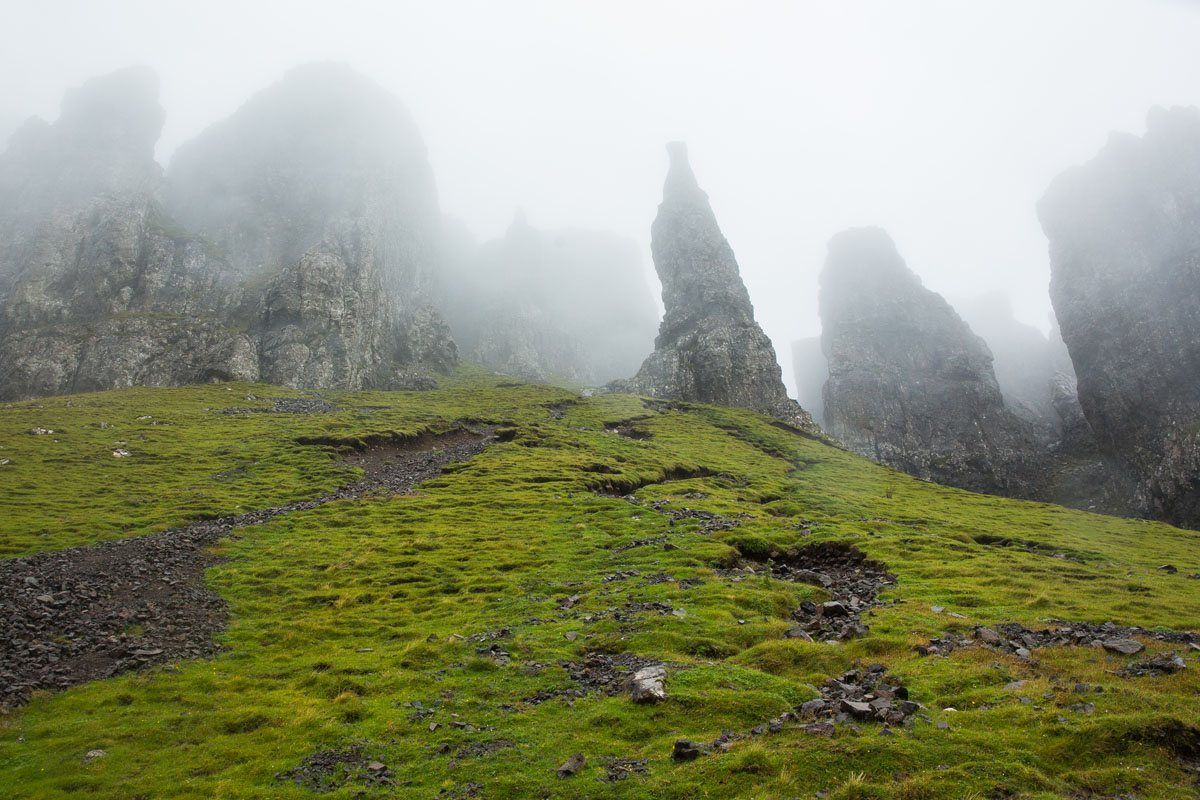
709,348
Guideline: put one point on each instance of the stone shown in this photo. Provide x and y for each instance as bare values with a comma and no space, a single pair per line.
686,750
910,385
1126,647
1124,232
572,766
92,755
646,685
709,347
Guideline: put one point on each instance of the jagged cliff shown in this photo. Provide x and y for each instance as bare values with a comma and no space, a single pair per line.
294,243
320,189
98,286
569,305
1124,233
709,347
909,384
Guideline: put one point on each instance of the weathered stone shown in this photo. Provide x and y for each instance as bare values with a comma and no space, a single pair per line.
646,685
1124,233
1123,646
572,766
709,348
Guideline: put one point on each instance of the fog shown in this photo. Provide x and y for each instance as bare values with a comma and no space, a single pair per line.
942,122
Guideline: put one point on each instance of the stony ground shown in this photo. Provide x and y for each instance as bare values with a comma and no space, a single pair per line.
498,590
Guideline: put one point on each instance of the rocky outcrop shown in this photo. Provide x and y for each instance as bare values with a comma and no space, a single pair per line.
709,348
811,370
909,384
1124,233
99,287
560,305
295,244
319,188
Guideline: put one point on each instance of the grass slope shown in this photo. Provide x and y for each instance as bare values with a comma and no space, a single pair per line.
345,615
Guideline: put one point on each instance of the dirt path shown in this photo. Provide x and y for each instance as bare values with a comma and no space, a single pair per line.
92,612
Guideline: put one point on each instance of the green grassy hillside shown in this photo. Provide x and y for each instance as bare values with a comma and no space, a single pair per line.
437,633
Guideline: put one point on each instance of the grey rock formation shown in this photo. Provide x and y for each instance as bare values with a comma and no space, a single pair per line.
709,348
319,188
1023,358
98,286
1124,233
811,370
909,384
561,305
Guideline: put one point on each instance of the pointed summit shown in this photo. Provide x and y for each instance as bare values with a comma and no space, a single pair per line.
709,348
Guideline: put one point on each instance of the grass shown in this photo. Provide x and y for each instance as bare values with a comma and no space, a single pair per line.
346,615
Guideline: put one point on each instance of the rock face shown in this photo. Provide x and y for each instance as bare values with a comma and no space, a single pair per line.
1124,233
909,384
314,222
98,287
569,305
811,370
320,188
1023,358
709,348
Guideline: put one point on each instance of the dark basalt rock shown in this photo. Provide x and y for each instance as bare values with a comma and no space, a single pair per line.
709,348
909,384
1124,233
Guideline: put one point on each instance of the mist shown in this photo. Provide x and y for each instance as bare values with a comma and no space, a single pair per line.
942,122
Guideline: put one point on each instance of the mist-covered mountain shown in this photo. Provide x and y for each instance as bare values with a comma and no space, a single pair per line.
298,241
99,287
1124,233
910,384
569,305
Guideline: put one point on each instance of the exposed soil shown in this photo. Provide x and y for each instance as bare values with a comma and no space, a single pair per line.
853,581
92,612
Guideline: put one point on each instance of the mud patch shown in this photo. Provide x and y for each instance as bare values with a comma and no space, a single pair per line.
93,612
327,770
853,581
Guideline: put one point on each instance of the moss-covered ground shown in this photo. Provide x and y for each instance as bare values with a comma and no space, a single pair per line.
345,616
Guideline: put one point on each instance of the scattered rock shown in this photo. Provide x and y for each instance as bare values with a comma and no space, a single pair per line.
687,750
572,766
646,685
1157,666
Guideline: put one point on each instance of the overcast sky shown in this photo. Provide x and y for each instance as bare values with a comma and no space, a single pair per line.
941,121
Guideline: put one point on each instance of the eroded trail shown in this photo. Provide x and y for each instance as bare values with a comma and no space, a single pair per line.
92,612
